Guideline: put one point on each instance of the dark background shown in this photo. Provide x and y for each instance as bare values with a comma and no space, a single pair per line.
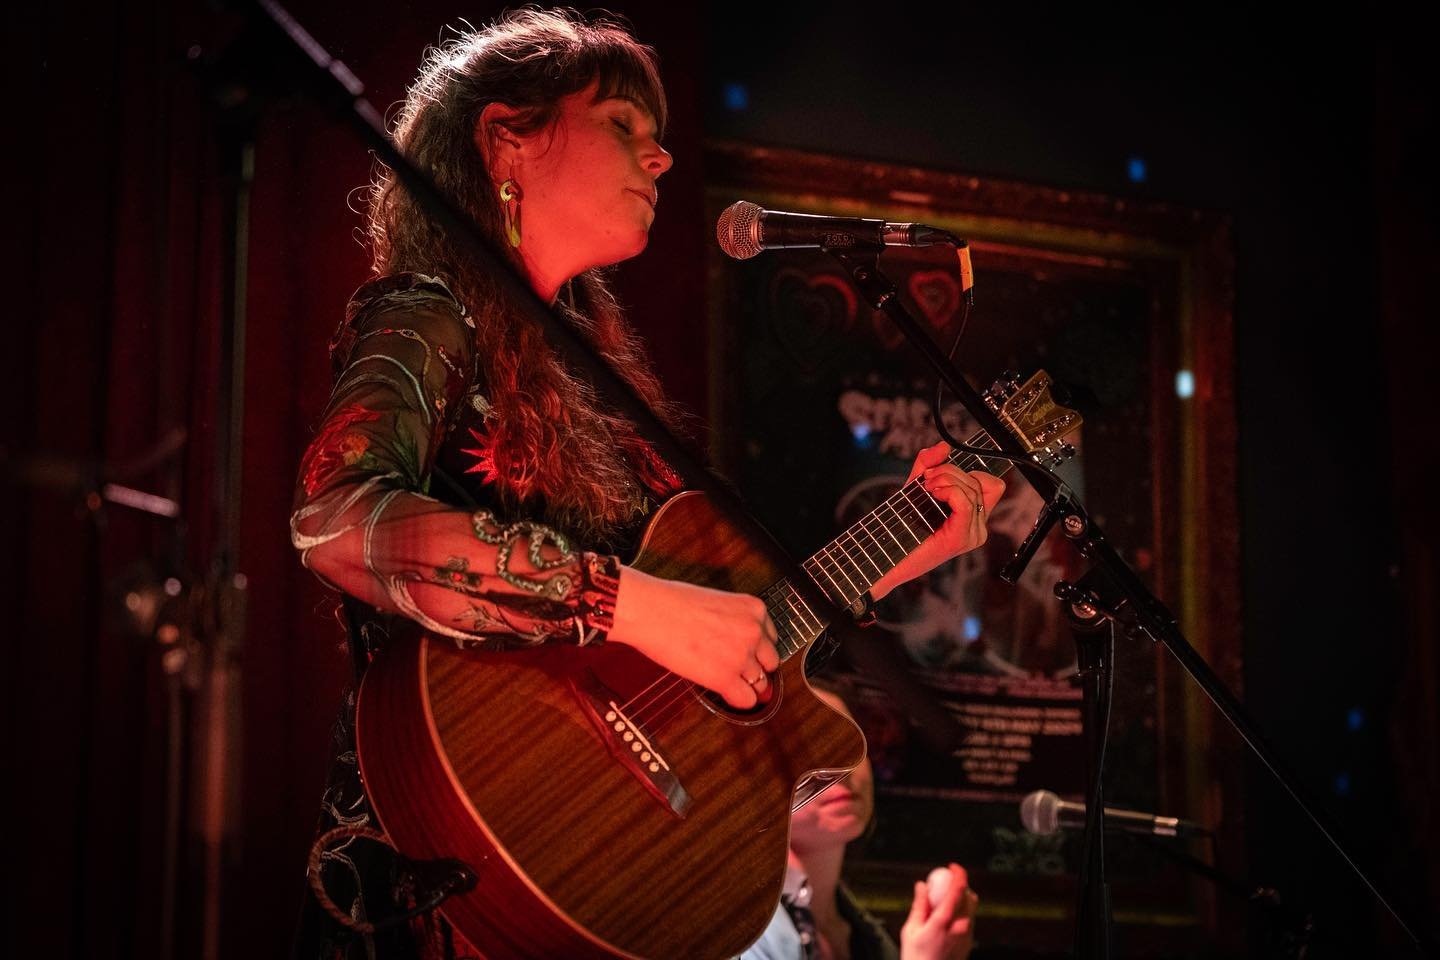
1318,135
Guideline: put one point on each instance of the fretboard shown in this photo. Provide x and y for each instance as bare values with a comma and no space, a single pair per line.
855,561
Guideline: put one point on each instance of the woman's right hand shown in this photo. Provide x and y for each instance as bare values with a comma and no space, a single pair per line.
718,639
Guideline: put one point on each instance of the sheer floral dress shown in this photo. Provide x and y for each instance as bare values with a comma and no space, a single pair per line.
396,503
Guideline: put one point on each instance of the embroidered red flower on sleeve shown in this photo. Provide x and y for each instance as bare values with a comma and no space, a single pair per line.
336,446
483,452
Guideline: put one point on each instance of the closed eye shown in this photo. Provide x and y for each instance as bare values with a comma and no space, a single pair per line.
622,124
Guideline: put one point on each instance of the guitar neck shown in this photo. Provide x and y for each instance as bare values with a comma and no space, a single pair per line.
874,545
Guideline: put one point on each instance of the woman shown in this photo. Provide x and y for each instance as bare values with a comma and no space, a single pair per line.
462,477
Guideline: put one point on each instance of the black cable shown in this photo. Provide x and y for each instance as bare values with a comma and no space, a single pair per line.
965,306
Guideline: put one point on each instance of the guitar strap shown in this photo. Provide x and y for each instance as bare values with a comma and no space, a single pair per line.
360,648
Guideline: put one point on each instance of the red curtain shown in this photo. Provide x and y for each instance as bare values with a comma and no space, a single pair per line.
121,240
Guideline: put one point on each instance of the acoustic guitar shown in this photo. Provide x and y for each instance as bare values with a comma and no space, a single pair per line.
610,808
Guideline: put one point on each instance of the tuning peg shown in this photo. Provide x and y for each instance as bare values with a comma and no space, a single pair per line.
1005,386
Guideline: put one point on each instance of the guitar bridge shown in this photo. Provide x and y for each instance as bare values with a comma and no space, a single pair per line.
629,744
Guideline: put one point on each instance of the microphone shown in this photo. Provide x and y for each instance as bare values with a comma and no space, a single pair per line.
745,229
1044,812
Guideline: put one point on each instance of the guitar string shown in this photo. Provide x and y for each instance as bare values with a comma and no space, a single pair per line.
667,710
667,697
678,690
660,704
635,711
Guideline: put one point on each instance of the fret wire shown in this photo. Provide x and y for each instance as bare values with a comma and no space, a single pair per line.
903,524
787,634
874,516
978,462
796,637
834,545
940,508
866,554
819,625
904,497
889,527
838,567
782,644
931,497
781,593
821,568
978,439
784,627
865,541
821,560
792,596
910,501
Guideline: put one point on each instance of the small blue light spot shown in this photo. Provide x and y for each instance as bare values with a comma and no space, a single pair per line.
1342,785
1355,718
737,97
1135,168
861,433
971,628
1184,384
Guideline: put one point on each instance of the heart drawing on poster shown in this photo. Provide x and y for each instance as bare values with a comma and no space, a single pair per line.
811,315
937,294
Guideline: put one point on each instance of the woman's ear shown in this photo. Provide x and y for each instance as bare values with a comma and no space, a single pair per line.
498,144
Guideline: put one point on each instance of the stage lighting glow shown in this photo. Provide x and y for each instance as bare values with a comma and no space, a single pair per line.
861,433
1355,718
1184,384
1342,785
1135,169
971,628
737,97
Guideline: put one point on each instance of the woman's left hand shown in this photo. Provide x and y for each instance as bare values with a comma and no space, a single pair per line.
969,496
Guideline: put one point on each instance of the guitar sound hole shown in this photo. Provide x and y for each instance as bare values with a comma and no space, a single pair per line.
756,714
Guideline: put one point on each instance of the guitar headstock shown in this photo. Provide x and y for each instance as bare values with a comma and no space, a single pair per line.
1034,416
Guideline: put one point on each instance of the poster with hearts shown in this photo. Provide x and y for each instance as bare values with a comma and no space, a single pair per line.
822,405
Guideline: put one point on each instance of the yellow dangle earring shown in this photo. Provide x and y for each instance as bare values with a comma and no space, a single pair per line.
510,197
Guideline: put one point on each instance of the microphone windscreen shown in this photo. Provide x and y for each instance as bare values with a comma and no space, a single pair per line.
1040,812
738,230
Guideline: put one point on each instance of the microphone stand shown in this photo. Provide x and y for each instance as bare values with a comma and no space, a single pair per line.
1109,594
1095,655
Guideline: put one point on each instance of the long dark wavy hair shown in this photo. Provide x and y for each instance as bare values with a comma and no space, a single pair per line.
551,443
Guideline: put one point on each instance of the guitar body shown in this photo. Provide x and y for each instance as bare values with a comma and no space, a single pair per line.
516,763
